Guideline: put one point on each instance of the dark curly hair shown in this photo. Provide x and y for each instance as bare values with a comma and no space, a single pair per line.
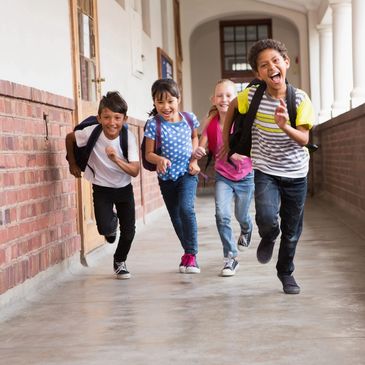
263,44
113,101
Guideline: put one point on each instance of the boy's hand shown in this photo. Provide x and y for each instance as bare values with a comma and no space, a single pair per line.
199,153
162,165
74,170
281,115
111,153
194,168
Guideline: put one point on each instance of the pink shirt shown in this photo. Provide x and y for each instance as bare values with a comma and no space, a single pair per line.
222,166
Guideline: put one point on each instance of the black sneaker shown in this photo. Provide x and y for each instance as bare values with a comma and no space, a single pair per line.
264,251
244,241
111,238
290,286
230,267
120,269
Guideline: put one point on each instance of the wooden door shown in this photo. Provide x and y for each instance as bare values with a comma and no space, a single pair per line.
87,95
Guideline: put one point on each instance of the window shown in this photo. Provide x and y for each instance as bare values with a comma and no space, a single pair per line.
85,13
236,39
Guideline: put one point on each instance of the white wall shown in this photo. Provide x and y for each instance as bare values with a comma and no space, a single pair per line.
35,44
115,30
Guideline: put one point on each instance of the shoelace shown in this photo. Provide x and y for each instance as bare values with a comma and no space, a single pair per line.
229,264
121,266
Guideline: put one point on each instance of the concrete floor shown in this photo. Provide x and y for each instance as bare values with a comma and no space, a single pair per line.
163,317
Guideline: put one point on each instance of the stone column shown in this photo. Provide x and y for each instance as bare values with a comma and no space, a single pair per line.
326,71
358,36
342,55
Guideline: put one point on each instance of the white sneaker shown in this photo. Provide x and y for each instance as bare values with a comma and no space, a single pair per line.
230,267
244,241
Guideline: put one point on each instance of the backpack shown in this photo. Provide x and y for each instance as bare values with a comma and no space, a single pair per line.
82,154
241,139
148,165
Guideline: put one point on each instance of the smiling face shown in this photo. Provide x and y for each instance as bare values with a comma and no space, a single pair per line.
111,122
224,93
167,106
272,68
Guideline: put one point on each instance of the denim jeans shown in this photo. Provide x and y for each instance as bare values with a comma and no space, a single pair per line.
107,221
179,197
242,192
285,197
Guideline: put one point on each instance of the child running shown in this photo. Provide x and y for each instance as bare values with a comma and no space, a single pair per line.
279,156
110,174
176,168
233,180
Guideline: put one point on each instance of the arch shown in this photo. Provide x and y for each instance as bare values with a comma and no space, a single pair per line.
196,13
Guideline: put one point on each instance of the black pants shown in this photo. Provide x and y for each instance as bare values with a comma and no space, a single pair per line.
107,221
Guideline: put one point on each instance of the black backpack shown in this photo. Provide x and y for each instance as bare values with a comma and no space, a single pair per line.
82,154
148,165
240,140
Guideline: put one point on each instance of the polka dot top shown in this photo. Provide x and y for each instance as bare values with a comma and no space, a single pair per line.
176,144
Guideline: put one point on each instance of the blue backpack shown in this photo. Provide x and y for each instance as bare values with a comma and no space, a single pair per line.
82,154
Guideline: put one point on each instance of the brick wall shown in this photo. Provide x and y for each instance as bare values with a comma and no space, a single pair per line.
338,167
38,214
37,197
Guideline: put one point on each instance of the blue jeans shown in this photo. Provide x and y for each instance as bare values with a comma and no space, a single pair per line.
179,197
285,197
242,192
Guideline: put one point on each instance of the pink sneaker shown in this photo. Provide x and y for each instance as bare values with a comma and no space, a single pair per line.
192,266
184,260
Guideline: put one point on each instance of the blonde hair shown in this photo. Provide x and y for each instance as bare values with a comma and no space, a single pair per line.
213,109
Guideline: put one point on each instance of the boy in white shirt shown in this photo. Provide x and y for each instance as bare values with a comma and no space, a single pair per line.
110,174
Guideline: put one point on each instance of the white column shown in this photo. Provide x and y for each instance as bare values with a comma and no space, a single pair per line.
342,55
326,71
358,36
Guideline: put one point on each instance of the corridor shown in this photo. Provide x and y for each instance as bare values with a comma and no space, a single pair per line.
160,316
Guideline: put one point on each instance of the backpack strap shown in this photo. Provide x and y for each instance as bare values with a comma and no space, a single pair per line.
123,140
291,104
95,134
189,120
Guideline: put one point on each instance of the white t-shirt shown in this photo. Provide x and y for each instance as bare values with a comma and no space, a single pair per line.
105,171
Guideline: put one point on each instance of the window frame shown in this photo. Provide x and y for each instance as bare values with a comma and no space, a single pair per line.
241,76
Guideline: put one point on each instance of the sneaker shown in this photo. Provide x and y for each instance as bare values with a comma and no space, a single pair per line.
290,286
120,269
191,266
244,241
230,267
111,238
264,251
183,262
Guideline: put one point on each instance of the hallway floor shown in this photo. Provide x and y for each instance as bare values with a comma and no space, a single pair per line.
160,316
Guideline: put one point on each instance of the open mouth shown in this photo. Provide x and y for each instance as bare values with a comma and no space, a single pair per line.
276,78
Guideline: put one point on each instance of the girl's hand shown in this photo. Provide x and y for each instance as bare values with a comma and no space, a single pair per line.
223,152
281,115
199,153
111,153
237,157
162,165
194,168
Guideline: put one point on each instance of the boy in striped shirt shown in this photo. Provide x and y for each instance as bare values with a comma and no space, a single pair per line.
279,157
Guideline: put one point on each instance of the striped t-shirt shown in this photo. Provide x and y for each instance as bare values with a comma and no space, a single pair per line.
273,152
